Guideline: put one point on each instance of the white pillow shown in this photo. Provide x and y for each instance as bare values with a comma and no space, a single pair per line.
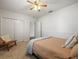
72,43
69,40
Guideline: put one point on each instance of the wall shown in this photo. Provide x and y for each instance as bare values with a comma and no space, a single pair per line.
18,25
60,23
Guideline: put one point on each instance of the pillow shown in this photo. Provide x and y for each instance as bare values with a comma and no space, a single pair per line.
1,41
72,43
6,38
76,36
74,51
69,40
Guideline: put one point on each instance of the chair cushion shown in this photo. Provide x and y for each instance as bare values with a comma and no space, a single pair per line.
1,41
6,38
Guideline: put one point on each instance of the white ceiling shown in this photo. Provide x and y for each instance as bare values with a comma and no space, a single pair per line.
22,6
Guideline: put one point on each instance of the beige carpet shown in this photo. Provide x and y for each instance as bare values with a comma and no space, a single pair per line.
16,52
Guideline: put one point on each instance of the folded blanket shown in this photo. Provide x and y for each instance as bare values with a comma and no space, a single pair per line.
30,44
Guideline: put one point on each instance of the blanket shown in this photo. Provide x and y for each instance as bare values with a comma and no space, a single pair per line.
30,44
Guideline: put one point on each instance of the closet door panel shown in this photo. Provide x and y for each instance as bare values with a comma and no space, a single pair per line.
3,27
18,30
7,27
10,28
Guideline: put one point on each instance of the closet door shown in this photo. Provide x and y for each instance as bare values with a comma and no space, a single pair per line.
16,29
19,30
7,27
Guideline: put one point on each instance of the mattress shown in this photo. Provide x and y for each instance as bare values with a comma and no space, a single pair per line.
51,48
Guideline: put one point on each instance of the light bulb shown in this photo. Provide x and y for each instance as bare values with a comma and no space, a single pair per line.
35,7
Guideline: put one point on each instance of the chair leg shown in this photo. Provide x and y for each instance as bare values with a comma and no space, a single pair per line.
7,47
15,43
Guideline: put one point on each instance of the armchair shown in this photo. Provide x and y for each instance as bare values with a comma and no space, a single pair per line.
6,42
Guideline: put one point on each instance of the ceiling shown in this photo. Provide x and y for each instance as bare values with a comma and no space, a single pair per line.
21,6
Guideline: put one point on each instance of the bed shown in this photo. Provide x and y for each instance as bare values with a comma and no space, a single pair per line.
51,48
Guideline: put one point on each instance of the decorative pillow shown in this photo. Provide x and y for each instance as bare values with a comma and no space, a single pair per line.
76,36
69,40
6,38
72,43
74,51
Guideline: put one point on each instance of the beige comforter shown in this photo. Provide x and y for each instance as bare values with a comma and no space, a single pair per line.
51,48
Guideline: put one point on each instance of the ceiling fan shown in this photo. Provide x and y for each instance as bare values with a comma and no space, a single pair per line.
36,5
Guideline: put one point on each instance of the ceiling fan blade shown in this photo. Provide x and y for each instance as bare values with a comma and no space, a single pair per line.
44,5
35,2
31,8
29,2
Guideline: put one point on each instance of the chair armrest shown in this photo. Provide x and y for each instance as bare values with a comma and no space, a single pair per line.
1,41
11,41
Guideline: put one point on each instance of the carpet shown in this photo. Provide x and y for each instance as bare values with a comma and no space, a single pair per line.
16,52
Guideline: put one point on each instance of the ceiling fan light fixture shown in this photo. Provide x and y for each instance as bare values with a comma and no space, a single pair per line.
36,5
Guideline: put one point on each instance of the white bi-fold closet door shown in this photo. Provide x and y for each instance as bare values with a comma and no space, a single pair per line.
19,30
7,27
12,27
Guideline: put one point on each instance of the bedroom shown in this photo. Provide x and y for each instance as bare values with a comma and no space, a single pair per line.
22,24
